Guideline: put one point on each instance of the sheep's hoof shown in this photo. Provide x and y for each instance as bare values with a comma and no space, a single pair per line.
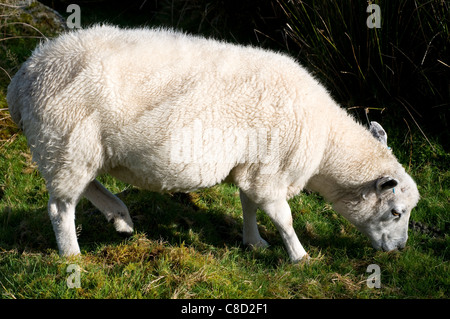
124,228
124,234
305,260
260,244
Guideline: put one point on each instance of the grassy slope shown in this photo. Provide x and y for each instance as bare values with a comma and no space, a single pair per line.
189,245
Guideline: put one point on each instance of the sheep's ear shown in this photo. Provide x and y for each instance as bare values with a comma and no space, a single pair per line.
378,132
385,183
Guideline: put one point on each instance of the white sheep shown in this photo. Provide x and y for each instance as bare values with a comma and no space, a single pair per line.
171,112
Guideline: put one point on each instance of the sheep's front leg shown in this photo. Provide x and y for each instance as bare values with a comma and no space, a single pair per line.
62,216
111,206
251,236
280,213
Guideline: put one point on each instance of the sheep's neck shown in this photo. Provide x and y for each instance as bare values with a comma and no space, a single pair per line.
352,158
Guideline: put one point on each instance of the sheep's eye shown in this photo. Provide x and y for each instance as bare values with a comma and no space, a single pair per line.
395,213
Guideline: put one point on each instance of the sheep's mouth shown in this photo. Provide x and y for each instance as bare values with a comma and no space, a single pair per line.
393,244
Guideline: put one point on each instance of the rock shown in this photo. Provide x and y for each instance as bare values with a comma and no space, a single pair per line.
39,17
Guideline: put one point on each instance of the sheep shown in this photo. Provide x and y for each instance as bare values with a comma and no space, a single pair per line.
171,112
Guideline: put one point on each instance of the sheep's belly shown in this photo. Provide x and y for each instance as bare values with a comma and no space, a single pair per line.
175,163
173,178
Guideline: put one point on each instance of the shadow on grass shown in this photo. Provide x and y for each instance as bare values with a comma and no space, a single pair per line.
26,230
176,219
172,218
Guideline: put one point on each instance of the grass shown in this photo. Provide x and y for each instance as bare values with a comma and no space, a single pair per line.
189,245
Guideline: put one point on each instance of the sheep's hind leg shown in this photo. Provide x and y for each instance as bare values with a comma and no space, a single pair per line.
111,206
251,236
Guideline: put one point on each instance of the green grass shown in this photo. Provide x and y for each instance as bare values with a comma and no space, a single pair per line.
189,245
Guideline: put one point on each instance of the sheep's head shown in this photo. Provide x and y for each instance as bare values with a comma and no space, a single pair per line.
381,209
